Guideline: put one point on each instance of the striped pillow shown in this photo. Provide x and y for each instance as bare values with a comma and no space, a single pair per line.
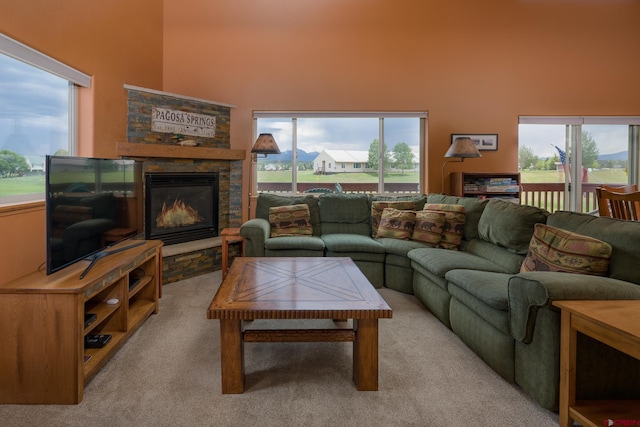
379,206
291,220
396,224
429,227
554,249
453,228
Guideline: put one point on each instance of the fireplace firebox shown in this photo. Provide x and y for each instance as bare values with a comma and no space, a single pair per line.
180,207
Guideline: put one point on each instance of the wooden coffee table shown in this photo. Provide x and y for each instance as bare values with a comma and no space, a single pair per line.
297,288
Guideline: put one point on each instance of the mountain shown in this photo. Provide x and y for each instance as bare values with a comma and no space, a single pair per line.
286,156
622,155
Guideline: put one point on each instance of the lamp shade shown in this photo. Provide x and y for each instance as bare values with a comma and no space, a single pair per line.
463,148
265,144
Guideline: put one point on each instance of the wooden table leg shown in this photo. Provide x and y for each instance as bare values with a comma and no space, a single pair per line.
231,356
365,354
568,338
225,256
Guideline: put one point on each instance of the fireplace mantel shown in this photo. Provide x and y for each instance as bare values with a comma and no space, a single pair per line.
130,149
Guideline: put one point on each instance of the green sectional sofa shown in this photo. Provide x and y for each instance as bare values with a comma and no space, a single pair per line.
505,316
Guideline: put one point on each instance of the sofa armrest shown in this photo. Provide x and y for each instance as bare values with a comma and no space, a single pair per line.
255,232
532,290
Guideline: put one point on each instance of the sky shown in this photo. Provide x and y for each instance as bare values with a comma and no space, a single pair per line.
542,138
33,109
318,134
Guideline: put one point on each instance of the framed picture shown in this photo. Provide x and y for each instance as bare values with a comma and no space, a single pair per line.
483,141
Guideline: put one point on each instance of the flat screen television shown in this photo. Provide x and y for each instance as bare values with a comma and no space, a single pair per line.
91,204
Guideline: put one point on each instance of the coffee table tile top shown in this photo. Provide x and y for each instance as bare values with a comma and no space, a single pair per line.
311,288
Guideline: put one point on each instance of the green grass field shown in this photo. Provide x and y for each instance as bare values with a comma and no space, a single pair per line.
33,184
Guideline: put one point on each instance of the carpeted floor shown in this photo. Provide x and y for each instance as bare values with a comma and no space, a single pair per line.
168,374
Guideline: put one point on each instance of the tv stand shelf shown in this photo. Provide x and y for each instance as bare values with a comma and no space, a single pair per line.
42,323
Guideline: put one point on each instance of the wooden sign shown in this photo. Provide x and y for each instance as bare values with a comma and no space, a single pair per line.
183,122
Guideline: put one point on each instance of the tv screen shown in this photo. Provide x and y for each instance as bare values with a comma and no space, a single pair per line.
91,204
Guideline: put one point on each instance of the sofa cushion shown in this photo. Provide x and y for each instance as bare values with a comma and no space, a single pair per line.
378,207
397,224
343,242
473,208
453,228
485,293
553,249
439,261
429,227
509,261
418,200
345,213
290,220
306,243
510,225
401,247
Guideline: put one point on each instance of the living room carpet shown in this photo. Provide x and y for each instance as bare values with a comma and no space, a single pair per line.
168,374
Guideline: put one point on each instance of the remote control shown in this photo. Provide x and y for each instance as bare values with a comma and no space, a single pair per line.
96,341
89,318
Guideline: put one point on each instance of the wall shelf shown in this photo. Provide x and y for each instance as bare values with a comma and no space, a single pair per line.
504,185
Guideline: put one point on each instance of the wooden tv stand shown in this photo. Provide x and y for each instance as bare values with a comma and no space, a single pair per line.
42,323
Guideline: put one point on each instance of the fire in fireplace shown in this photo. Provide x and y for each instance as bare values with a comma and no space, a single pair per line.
181,207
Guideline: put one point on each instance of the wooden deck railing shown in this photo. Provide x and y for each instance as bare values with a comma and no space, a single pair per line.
549,196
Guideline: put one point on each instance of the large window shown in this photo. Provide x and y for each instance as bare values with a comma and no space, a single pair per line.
563,159
37,117
338,151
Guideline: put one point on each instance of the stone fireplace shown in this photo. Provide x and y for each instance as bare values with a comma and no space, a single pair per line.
208,155
181,207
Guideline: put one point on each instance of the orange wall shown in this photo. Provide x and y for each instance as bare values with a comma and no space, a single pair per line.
475,68
117,42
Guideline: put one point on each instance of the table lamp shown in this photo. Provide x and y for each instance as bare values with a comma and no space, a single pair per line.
461,148
265,144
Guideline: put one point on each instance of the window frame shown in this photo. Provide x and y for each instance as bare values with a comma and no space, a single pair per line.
573,144
380,115
76,79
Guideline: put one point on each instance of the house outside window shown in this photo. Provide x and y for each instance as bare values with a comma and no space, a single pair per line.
38,97
361,152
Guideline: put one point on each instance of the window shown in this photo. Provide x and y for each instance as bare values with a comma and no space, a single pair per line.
354,152
563,159
37,117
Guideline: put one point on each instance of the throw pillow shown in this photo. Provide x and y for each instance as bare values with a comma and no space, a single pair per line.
453,228
429,227
292,220
378,207
396,224
554,249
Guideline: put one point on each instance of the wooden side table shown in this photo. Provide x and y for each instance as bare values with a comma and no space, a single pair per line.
230,235
615,323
